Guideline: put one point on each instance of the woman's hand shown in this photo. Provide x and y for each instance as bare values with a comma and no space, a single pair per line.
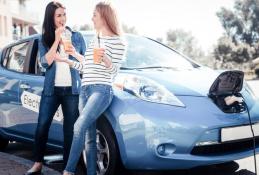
63,59
107,62
59,58
71,50
100,53
58,33
51,54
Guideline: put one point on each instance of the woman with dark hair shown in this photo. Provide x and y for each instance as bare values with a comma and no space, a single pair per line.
99,67
62,83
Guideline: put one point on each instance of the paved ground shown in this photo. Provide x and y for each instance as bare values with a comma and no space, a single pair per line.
13,165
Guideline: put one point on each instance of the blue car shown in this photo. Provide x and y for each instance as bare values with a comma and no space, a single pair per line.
168,112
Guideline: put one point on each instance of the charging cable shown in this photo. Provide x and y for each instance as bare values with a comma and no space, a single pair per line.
232,99
252,130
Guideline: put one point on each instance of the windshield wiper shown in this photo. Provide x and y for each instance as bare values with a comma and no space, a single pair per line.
148,67
128,68
158,67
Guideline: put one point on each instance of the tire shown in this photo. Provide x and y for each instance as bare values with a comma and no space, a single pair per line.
108,159
3,143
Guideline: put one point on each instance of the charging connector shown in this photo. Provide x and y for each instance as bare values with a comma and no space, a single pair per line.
229,100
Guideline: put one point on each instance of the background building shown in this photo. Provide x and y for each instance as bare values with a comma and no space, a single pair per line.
16,21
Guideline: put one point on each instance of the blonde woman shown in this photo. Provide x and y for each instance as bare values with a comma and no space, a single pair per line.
99,68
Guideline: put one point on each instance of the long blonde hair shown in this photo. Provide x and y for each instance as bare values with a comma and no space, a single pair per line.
109,15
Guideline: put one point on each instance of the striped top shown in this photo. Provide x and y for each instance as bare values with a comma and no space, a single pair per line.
98,73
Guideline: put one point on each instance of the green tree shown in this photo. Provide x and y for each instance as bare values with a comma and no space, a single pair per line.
240,42
241,24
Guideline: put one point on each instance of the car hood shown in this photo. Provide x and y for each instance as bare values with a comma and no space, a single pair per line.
194,82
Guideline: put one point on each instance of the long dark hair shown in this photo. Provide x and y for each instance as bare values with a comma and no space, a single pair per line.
48,27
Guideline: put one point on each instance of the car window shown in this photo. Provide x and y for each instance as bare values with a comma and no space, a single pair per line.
88,39
35,66
144,52
5,56
16,57
39,69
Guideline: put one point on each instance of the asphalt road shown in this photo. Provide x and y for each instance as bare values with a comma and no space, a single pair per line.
238,167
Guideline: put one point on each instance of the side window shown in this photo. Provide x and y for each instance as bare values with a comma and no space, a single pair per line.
39,70
5,57
16,57
35,65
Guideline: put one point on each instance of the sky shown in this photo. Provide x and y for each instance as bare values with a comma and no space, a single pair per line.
152,18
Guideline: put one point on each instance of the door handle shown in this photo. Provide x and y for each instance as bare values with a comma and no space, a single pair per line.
25,86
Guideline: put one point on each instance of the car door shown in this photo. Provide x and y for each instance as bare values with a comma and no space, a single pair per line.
30,90
29,80
11,69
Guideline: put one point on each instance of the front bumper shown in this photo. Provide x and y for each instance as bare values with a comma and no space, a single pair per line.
145,126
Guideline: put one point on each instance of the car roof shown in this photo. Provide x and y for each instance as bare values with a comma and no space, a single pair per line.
91,33
27,38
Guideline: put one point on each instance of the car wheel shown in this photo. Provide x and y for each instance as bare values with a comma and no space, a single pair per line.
107,150
3,143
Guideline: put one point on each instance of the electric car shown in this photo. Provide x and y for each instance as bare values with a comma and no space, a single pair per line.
168,112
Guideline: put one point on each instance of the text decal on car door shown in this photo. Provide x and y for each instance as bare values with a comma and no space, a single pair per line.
32,102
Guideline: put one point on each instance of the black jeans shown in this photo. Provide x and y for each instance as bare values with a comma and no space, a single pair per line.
48,106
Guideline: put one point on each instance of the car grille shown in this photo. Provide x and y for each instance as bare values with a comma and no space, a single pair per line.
225,148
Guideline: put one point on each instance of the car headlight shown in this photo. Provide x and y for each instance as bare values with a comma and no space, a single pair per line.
147,89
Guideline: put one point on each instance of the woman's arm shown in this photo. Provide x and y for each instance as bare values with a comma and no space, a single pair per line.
72,51
78,56
51,54
114,61
74,64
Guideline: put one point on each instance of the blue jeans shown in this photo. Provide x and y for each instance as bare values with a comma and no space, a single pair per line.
93,101
48,106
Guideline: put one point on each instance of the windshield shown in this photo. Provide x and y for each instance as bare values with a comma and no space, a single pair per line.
146,53
143,52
